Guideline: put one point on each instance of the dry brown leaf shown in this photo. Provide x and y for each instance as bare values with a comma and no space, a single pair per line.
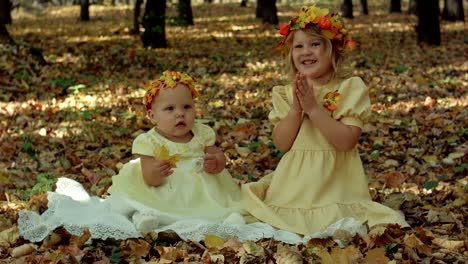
325,257
286,254
23,250
448,244
394,179
376,256
171,253
253,249
9,236
136,249
350,254
414,242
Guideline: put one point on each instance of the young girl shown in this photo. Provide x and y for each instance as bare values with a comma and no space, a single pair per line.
179,169
318,120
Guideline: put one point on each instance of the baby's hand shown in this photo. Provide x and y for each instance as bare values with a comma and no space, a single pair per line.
163,167
210,163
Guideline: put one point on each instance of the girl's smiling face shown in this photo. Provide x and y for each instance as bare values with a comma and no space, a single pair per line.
173,113
311,57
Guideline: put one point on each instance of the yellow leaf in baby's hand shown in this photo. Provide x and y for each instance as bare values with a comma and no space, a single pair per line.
213,241
162,153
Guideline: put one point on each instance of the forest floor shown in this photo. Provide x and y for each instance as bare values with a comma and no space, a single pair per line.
76,116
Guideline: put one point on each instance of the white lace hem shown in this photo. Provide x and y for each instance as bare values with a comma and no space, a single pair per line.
120,218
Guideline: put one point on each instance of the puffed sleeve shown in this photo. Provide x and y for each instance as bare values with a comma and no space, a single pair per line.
206,134
353,107
143,145
282,100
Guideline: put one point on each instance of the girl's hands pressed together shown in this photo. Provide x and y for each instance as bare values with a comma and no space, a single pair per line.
296,105
305,94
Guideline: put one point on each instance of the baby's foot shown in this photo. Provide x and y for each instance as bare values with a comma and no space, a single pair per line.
144,222
234,218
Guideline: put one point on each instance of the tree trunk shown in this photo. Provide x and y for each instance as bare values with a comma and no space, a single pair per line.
184,8
395,6
412,7
347,8
5,12
428,27
243,3
258,10
5,19
453,10
136,17
267,12
364,9
84,10
154,22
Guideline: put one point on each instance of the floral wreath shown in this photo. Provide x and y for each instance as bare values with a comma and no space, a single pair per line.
331,26
168,79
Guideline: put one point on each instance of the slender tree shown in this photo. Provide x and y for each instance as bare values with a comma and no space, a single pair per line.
395,6
84,10
453,10
184,8
347,8
154,23
428,27
412,7
267,12
136,17
5,19
364,9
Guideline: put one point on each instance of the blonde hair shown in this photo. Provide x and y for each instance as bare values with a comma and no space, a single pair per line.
340,64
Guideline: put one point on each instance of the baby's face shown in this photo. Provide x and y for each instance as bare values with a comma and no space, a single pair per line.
173,113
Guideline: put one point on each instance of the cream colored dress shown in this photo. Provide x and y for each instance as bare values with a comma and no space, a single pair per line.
314,184
189,192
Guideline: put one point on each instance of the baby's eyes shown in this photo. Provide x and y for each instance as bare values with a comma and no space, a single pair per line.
187,106
169,108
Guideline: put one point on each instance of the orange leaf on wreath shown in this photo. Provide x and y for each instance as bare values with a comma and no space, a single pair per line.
330,100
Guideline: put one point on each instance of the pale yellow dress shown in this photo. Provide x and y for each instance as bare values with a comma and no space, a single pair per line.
189,192
314,184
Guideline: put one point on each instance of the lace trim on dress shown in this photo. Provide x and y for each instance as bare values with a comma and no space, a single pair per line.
120,218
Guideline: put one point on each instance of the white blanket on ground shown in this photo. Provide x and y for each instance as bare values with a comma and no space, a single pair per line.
121,218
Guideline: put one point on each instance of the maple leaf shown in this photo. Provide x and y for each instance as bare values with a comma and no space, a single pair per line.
160,152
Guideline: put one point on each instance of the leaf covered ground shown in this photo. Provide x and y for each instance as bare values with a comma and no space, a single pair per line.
76,117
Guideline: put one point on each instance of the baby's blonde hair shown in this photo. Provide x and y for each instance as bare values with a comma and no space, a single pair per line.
341,67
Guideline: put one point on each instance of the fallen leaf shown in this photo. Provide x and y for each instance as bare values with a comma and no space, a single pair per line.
376,256
162,153
23,250
213,241
9,236
448,244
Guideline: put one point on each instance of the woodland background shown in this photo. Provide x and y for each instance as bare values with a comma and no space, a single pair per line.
70,106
